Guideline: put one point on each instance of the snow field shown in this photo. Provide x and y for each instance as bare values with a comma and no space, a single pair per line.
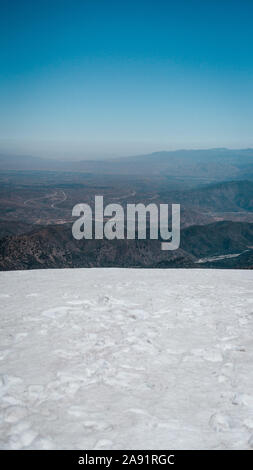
126,358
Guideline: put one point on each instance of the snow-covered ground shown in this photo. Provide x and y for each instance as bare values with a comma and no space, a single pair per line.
122,358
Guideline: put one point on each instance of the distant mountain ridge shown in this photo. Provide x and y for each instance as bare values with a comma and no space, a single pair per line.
213,164
225,196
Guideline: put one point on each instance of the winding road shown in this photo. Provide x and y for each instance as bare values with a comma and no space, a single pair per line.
57,193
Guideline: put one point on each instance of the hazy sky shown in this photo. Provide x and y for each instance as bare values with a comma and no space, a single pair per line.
92,78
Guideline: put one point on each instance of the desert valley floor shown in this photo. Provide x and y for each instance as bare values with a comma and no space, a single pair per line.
126,358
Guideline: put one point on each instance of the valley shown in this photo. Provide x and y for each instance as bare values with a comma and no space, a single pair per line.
216,216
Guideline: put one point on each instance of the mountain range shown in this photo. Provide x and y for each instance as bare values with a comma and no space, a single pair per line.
212,164
54,247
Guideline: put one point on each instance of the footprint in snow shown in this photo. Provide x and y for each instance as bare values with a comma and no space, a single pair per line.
35,391
243,399
8,381
13,414
204,354
248,423
23,440
103,444
212,356
20,336
56,312
42,443
219,422
77,411
3,355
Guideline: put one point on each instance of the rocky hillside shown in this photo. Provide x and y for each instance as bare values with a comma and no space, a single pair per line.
54,247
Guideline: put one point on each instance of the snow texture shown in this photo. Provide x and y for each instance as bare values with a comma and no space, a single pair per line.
126,359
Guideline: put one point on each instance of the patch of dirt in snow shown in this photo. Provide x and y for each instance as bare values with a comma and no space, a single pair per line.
121,358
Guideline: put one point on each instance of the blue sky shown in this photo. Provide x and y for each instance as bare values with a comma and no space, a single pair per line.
81,79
